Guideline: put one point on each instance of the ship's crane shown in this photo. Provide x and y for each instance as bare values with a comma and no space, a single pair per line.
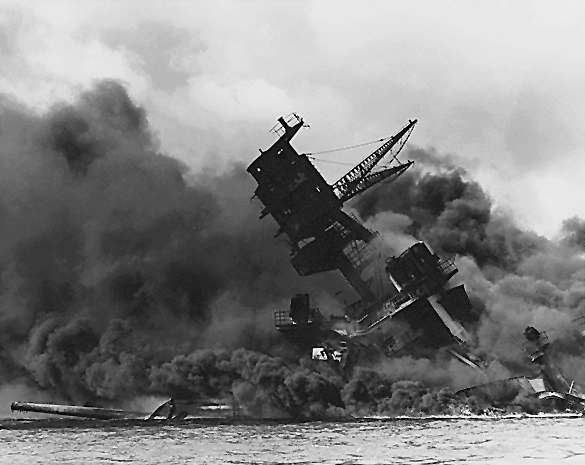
369,180
357,179
410,305
309,211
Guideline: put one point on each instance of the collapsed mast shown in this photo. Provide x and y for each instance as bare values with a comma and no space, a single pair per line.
308,210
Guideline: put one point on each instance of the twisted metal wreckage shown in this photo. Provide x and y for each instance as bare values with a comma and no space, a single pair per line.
406,305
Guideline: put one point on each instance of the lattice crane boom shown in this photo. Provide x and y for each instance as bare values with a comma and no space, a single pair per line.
374,178
344,188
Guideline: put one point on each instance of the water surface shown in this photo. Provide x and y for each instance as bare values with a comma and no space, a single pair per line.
406,441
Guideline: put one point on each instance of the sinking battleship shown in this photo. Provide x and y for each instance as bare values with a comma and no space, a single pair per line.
405,304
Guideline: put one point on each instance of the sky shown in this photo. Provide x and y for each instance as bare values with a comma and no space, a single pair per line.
498,86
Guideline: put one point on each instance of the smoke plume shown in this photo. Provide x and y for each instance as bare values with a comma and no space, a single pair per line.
114,258
514,277
123,274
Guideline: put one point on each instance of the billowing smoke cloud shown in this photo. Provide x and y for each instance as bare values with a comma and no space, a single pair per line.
114,258
452,214
123,274
514,277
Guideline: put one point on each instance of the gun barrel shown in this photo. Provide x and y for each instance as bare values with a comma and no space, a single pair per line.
73,411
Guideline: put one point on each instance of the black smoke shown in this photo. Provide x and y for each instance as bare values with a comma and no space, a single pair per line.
123,273
453,214
515,278
114,257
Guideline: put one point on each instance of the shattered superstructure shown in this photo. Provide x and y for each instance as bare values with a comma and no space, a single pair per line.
553,382
547,383
404,303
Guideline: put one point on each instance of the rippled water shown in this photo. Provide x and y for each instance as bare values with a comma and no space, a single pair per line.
455,441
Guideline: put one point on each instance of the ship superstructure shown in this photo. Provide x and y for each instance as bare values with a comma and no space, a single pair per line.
405,304
554,383
308,210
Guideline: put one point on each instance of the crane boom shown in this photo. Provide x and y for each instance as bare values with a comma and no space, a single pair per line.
355,176
374,178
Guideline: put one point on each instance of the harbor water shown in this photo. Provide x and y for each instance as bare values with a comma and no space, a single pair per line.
375,441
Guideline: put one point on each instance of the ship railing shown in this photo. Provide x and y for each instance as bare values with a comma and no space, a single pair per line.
390,307
399,300
291,120
396,302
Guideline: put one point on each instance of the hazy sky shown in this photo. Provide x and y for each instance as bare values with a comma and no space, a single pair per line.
498,85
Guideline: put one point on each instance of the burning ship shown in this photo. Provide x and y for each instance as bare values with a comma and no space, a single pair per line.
405,304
